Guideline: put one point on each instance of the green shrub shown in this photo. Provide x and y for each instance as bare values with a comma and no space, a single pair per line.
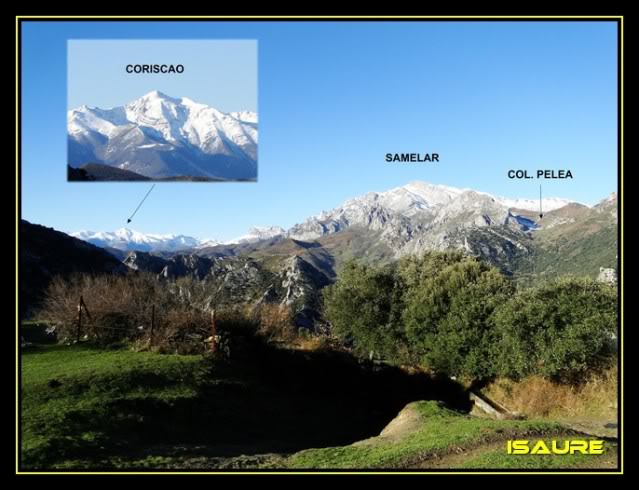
459,316
363,308
434,310
559,330
448,312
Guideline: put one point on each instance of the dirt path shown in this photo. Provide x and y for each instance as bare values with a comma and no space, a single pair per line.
493,446
608,429
408,421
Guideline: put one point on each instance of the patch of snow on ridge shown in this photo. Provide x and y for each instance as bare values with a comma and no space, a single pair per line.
258,233
548,203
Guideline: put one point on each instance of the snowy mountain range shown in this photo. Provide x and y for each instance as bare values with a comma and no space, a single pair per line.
126,240
159,136
420,213
420,203
129,240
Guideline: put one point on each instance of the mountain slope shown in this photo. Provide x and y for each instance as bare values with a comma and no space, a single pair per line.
290,280
159,136
418,217
101,172
46,253
290,267
576,240
414,204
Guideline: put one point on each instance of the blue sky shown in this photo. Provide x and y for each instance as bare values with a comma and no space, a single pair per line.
219,73
334,98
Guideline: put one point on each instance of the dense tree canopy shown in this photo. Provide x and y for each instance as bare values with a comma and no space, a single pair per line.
363,307
457,315
560,330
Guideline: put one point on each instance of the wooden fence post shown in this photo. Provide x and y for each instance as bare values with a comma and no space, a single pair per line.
77,333
152,323
84,305
213,332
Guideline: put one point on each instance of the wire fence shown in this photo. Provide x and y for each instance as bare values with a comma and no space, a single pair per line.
208,335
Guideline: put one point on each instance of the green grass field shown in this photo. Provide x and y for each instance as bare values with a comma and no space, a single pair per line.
443,438
114,409
78,401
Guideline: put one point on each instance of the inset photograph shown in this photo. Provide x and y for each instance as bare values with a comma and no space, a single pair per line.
162,110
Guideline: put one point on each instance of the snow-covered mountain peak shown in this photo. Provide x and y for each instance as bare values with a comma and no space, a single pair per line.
417,204
266,230
131,240
193,105
123,232
257,233
156,94
207,243
157,136
437,194
128,240
416,209
245,116
155,97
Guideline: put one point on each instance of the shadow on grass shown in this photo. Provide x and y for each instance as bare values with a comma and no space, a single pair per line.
267,400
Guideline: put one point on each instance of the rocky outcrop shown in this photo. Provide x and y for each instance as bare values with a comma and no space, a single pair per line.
607,275
242,280
301,283
187,265
367,212
423,217
144,262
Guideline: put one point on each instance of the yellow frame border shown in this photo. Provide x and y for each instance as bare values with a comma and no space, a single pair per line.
169,18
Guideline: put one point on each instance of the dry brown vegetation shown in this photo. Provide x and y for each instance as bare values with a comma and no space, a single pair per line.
161,315
275,321
316,342
539,397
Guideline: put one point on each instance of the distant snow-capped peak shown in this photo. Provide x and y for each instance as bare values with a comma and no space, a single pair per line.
129,240
400,208
417,196
258,233
417,202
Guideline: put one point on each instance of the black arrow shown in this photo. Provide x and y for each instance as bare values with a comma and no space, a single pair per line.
136,209
541,214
